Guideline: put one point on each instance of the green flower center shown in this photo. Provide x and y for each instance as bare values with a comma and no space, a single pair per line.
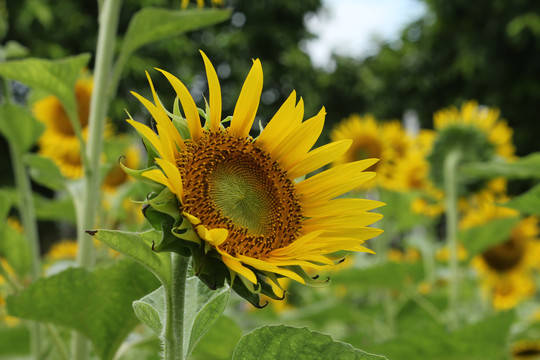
230,183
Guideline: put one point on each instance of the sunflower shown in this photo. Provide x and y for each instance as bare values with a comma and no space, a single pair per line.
506,270
367,142
59,141
478,132
242,195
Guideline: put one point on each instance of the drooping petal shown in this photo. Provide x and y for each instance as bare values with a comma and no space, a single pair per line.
215,93
248,101
236,266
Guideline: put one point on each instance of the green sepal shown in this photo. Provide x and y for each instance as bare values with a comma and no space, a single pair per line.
138,175
209,269
254,298
182,127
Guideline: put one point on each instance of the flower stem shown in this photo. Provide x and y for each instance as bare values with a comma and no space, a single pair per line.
450,184
108,23
173,334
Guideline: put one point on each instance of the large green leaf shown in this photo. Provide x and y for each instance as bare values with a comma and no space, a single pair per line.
219,342
14,341
56,77
45,172
480,238
528,203
523,168
152,24
283,343
138,246
19,126
97,303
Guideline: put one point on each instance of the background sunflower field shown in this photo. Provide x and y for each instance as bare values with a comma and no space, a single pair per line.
450,109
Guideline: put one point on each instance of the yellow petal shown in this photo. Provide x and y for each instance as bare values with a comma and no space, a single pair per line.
318,158
248,101
297,244
341,222
336,181
285,121
157,176
235,265
148,134
192,219
163,119
190,109
214,237
342,207
215,93
265,266
296,145
174,176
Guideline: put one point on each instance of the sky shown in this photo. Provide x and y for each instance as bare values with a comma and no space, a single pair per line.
348,27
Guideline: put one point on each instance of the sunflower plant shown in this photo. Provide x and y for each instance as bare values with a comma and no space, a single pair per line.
238,211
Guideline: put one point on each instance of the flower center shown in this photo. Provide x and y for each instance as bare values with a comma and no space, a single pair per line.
231,183
505,256
61,122
365,148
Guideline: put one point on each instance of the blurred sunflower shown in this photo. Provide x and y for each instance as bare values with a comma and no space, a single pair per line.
240,193
526,350
506,270
63,250
477,131
59,141
367,142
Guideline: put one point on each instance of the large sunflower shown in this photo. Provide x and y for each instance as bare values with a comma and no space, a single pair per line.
59,141
242,195
506,270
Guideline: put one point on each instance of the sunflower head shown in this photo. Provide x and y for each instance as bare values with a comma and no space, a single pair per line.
59,141
477,132
234,203
506,269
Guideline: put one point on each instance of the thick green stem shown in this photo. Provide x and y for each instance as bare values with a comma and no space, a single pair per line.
450,186
173,334
108,23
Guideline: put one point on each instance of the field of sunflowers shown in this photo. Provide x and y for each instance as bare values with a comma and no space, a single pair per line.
156,202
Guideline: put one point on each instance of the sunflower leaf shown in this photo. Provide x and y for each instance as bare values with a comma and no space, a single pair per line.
19,126
138,246
45,172
284,342
480,238
152,24
527,203
203,307
97,303
526,167
151,309
56,77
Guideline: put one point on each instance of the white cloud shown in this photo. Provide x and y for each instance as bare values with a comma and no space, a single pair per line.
348,27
